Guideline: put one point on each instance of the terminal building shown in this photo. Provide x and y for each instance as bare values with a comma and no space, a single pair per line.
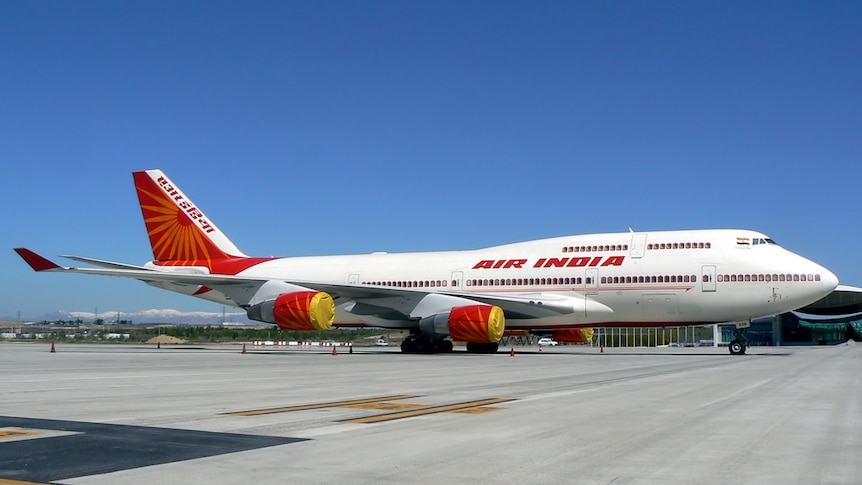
834,319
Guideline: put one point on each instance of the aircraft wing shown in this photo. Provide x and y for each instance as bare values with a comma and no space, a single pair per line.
372,300
105,264
123,270
522,306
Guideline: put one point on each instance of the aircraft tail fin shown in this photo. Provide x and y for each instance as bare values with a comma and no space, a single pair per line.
180,233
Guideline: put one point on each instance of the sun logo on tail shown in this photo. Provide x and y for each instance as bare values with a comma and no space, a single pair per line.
178,231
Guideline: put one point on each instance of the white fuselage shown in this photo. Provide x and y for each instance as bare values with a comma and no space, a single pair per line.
626,279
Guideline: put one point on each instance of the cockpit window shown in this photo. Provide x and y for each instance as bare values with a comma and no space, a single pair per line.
757,241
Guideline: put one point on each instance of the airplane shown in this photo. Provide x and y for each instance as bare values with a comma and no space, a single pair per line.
560,287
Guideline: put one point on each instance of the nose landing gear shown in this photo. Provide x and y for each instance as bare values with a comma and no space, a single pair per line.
739,343
736,347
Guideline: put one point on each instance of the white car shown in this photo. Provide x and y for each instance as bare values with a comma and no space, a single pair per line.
544,342
381,342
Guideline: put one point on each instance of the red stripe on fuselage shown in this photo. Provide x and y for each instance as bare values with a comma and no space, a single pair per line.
225,266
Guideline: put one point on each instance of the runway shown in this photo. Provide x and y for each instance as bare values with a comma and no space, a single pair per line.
106,414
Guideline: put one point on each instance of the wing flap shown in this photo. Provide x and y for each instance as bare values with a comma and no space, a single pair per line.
106,264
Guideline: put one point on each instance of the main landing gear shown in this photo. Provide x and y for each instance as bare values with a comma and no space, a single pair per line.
424,344
428,344
482,348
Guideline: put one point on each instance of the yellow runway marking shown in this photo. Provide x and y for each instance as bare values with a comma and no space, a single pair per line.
4,481
335,404
429,410
6,434
479,410
385,406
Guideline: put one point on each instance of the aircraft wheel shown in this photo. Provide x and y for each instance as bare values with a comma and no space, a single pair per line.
482,348
736,347
408,346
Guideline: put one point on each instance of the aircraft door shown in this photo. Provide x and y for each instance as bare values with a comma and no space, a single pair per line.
707,278
353,279
638,245
457,282
591,281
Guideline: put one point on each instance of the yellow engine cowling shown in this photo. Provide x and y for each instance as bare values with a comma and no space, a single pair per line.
304,310
477,323
575,335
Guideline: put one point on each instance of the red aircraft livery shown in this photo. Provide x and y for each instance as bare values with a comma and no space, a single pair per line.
444,298
578,262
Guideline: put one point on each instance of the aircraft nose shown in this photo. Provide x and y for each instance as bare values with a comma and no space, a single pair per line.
828,279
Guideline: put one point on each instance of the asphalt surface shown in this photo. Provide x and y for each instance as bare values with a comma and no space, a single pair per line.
100,414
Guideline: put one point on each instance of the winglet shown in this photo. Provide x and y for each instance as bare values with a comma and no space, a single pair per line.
38,263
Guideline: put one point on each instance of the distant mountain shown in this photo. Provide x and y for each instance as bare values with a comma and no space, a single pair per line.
153,316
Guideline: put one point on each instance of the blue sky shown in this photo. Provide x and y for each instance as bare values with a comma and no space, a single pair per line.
306,128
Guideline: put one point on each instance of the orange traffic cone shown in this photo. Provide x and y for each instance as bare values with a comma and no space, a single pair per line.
602,349
513,352
334,350
540,348
53,350
243,348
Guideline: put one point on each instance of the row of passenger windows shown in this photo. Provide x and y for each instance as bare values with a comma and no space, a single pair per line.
625,247
679,245
732,278
592,249
767,277
651,279
412,284
529,281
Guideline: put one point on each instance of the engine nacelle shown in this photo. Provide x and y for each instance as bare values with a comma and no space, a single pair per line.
574,336
477,323
471,323
300,310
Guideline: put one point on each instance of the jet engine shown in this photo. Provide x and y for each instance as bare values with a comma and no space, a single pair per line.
472,323
575,335
301,310
477,323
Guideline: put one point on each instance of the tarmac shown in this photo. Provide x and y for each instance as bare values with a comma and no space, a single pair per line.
137,414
